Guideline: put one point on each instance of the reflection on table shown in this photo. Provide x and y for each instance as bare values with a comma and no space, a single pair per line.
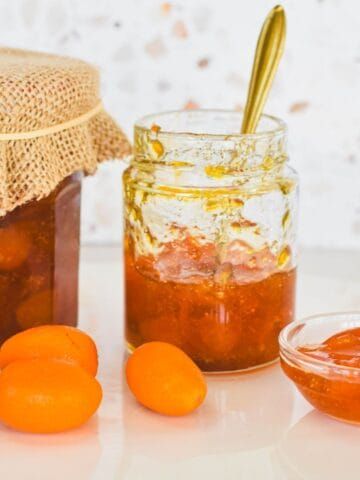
318,447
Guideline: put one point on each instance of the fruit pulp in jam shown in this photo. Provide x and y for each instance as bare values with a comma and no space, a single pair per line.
226,315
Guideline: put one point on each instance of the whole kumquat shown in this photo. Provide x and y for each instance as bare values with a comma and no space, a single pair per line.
36,310
47,396
51,341
15,245
164,379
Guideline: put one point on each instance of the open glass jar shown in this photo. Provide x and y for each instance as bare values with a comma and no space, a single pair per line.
210,237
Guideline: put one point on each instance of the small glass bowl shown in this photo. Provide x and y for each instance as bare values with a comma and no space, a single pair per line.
332,389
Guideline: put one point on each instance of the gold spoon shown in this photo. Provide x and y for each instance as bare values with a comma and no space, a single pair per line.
268,52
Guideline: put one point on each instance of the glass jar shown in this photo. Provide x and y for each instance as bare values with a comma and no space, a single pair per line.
39,259
210,237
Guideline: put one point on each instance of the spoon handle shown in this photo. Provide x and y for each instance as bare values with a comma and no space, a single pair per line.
269,50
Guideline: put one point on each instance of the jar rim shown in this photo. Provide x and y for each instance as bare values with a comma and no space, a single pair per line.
146,123
289,351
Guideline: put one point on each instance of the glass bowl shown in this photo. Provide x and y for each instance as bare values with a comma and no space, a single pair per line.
332,389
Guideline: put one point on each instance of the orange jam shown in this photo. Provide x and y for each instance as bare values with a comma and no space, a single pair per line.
337,391
39,255
226,316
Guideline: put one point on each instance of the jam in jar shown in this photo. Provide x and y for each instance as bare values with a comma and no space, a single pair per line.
210,251
39,259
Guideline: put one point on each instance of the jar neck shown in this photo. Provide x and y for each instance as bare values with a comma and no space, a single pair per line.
172,146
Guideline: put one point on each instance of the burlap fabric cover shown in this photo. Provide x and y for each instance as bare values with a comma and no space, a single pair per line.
38,91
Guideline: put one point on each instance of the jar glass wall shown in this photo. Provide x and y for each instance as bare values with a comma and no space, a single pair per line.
210,247
39,260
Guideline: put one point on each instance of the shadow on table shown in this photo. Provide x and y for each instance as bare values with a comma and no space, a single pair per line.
317,448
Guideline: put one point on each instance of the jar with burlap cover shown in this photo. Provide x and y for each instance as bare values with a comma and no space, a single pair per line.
52,124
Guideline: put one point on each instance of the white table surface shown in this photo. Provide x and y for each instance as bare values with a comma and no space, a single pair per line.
252,426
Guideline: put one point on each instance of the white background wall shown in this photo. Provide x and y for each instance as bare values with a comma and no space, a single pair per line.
157,55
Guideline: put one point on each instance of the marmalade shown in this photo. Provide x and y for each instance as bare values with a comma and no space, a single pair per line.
39,256
333,394
229,322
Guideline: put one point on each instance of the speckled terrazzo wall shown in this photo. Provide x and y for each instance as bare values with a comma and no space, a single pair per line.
158,55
